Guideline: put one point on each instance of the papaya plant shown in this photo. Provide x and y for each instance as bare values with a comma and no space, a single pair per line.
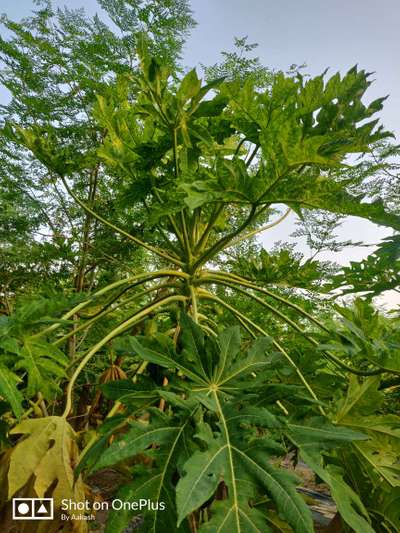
212,165
224,430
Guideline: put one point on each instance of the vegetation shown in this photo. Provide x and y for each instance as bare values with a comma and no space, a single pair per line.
144,330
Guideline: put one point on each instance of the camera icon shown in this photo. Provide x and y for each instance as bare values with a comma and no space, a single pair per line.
33,509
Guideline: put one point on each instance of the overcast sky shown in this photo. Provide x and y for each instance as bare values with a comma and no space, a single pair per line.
321,33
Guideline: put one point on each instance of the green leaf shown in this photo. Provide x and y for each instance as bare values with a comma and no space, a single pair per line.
282,267
202,474
192,339
162,359
254,361
244,467
231,182
139,437
379,454
189,87
165,439
225,520
44,364
349,505
315,191
229,341
316,435
138,394
358,398
382,455
9,391
319,433
91,455
154,485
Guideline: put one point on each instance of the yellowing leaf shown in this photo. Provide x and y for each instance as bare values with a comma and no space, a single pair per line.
49,453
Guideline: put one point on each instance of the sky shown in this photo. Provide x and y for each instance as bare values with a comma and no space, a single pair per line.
320,33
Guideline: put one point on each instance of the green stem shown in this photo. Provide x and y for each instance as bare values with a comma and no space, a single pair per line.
182,213
193,298
144,277
194,230
209,330
175,229
114,333
105,312
211,223
140,310
186,238
252,156
132,238
240,144
246,327
172,248
207,319
178,234
259,230
218,246
80,306
295,326
238,280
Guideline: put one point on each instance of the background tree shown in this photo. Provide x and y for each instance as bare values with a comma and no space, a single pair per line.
54,63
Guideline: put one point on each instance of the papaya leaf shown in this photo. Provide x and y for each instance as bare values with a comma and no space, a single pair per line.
317,432
249,520
382,455
315,191
162,359
138,394
139,437
349,505
46,455
9,391
282,267
381,451
44,364
92,454
155,486
189,87
311,439
209,363
169,434
378,272
246,471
